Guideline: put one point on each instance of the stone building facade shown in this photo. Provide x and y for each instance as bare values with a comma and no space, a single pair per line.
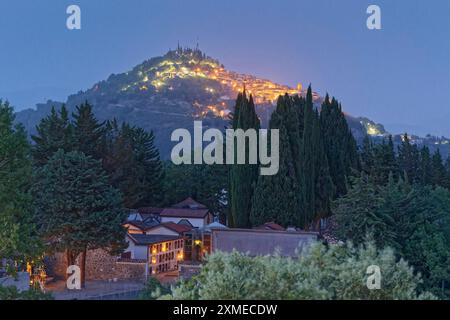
100,265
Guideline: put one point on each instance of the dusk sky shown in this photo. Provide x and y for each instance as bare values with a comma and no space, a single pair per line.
398,76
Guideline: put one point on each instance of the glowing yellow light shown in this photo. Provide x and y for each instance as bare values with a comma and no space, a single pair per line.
197,242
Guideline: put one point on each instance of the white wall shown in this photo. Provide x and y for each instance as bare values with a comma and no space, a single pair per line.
137,252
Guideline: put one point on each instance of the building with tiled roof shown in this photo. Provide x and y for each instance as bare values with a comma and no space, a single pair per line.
197,214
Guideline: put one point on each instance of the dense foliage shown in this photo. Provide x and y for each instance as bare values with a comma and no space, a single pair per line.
317,155
204,183
333,272
127,153
18,239
11,293
242,177
401,200
76,209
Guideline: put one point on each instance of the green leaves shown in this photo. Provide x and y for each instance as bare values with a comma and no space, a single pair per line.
17,237
323,272
412,219
242,177
76,208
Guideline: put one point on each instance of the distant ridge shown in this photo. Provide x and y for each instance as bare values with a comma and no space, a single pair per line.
171,91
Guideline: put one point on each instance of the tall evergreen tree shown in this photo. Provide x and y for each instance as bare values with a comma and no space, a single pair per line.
89,133
366,155
425,167
277,197
53,133
339,143
18,240
438,172
316,184
324,188
408,159
144,184
243,177
385,162
308,173
76,208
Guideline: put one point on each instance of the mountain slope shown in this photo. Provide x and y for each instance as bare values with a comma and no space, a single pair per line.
169,92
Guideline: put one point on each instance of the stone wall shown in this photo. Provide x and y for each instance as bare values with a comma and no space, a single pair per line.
100,265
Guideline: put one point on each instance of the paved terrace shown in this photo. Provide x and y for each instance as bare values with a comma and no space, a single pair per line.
105,290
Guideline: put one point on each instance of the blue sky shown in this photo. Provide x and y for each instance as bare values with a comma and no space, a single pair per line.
399,76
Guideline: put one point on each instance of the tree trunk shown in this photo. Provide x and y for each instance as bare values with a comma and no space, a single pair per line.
83,268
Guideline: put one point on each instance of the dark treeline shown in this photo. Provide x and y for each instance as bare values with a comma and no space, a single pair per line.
86,173
397,197
126,153
317,154
401,199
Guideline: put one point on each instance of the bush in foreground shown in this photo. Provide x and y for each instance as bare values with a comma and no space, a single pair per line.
324,272
11,293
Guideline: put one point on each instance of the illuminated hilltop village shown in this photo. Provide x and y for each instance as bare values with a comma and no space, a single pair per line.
173,90
220,84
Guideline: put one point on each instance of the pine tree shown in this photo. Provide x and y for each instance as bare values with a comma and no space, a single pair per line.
133,165
53,133
243,177
356,213
89,133
438,172
367,155
385,162
408,159
425,167
76,208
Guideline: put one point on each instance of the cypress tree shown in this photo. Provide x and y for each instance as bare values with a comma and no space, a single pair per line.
339,143
308,168
277,197
324,188
243,177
